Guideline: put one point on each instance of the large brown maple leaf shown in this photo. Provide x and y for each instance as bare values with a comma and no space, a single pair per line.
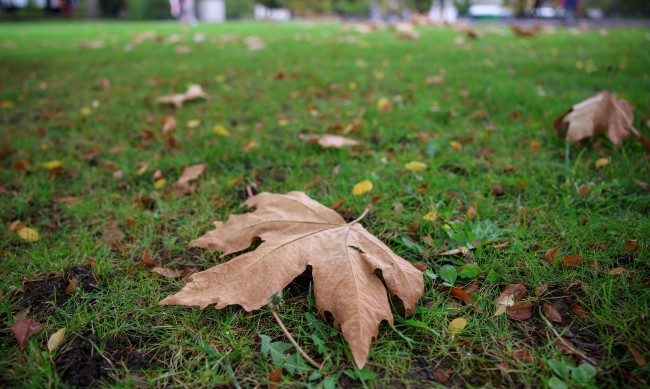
602,112
298,232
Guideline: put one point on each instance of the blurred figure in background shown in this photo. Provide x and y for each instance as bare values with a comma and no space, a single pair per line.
183,11
570,7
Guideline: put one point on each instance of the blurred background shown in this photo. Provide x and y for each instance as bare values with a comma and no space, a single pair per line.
281,10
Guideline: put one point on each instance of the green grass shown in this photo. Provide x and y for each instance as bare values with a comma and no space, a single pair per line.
46,81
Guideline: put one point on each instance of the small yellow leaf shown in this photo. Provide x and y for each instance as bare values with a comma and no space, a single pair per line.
193,123
384,105
601,162
159,183
56,339
220,130
219,78
283,122
352,86
51,165
362,188
85,111
378,74
415,166
432,215
6,104
456,145
457,325
28,234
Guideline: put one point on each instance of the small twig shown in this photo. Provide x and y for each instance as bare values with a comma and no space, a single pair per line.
567,344
293,341
365,212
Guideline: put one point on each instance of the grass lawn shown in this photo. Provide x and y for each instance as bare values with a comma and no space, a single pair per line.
499,180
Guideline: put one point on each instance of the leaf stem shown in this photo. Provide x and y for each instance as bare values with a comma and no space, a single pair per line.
365,212
293,341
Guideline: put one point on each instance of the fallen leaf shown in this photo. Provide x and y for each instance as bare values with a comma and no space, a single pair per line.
194,92
583,190
56,339
534,146
169,124
462,295
328,141
638,357
159,183
71,285
456,145
600,113
549,257
21,166
191,173
250,146
441,375
551,313
362,188
51,165
193,123
167,273
28,234
415,166
275,376
146,260
540,290
523,356
297,232
23,328
457,325
435,80
524,31
511,294
521,310
572,260
384,105
631,244
617,270
579,310
220,130
643,185
601,162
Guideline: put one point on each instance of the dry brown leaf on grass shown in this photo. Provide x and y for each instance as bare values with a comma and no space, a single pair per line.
297,232
194,92
600,113
525,32
184,184
327,141
23,328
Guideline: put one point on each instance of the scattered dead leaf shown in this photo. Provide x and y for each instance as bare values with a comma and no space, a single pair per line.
638,357
617,270
56,339
540,290
521,310
551,313
600,113
572,260
194,92
523,356
167,273
23,328
579,310
328,141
